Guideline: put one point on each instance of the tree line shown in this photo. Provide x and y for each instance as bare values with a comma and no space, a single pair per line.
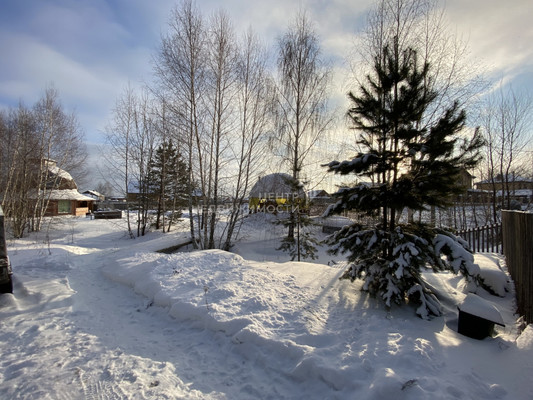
217,101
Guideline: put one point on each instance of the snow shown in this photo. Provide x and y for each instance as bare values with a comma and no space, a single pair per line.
493,275
97,315
66,194
525,341
54,169
460,257
475,305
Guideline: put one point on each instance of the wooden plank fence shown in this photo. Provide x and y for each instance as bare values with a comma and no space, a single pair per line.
486,238
517,229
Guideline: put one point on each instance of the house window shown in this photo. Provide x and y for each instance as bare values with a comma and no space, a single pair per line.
63,207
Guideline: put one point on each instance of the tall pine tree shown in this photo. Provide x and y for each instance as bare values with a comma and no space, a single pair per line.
405,164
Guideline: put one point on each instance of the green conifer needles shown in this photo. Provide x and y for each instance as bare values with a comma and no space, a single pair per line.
411,154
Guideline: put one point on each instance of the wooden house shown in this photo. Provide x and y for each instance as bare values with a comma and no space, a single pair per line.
60,193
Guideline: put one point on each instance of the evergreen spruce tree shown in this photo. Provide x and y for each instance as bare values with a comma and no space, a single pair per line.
167,176
403,163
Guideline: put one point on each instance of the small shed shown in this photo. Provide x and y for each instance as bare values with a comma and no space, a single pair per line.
276,192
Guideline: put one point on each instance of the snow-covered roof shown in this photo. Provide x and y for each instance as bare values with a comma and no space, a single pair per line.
57,178
318,193
518,192
278,185
60,172
511,178
67,194
59,194
93,193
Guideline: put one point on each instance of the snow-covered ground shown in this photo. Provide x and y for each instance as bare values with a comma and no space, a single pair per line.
96,315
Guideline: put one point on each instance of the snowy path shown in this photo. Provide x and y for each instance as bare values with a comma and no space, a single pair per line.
162,348
99,340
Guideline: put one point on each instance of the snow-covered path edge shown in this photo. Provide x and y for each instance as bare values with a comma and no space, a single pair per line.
222,292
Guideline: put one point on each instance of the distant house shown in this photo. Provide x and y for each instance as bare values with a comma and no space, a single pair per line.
275,192
61,192
520,188
68,202
318,194
134,193
319,200
515,182
94,195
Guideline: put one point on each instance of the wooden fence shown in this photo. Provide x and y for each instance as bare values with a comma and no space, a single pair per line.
517,229
484,238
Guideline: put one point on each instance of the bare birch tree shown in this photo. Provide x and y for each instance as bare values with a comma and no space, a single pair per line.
18,150
180,69
143,141
59,139
119,141
255,98
507,123
421,25
37,142
220,98
303,83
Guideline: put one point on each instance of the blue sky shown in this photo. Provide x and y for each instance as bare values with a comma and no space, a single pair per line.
90,49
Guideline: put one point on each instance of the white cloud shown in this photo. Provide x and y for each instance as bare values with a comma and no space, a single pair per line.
499,32
36,64
90,50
